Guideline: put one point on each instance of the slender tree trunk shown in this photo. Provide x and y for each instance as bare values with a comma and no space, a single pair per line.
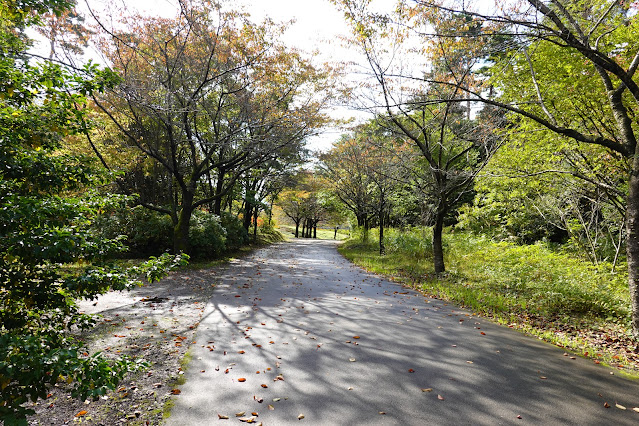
315,230
632,243
382,248
438,249
255,215
297,228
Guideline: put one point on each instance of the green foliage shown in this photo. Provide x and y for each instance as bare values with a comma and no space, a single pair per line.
46,212
206,234
236,235
508,281
146,232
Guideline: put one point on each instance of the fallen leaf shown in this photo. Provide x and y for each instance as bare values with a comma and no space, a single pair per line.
240,414
410,370
176,391
619,406
241,352
543,377
351,359
355,337
270,407
441,398
382,412
81,413
264,385
606,405
241,379
222,417
636,409
254,413
276,399
519,416
280,377
300,417
427,389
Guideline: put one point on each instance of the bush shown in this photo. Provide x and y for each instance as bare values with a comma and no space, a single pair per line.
207,235
149,233
236,235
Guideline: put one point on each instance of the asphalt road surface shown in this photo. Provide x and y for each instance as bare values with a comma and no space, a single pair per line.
297,335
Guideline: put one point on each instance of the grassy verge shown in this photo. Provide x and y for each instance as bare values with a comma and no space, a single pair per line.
322,234
561,299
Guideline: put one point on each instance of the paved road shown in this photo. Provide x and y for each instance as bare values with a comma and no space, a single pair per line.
349,346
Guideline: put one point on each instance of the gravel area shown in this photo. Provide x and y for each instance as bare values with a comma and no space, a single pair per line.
157,323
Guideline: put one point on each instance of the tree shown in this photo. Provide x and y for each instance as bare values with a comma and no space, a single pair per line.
46,207
208,96
599,35
349,177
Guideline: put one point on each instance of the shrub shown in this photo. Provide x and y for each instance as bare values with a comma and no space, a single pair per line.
206,235
236,235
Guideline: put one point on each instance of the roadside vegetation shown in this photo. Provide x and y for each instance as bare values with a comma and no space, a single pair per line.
538,289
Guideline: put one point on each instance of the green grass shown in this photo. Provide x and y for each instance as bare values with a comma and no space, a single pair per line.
560,298
322,234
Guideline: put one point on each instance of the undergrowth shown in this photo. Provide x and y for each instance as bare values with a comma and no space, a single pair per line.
562,299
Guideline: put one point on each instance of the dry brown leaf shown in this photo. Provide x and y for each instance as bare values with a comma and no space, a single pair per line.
427,389
355,337
382,412
264,385
176,391
81,413
222,417
441,398
619,406
606,405
241,379
300,417
240,414
270,407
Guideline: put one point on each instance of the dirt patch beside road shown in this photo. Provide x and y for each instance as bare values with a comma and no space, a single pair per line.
157,323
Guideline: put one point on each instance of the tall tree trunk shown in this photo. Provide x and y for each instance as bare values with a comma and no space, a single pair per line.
438,248
382,248
181,229
297,228
255,215
219,186
315,229
248,210
632,243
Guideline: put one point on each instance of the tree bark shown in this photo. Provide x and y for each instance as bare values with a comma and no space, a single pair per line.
382,248
438,248
632,243
297,228
255,215
181,229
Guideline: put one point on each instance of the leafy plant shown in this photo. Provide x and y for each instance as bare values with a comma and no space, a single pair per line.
46,211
